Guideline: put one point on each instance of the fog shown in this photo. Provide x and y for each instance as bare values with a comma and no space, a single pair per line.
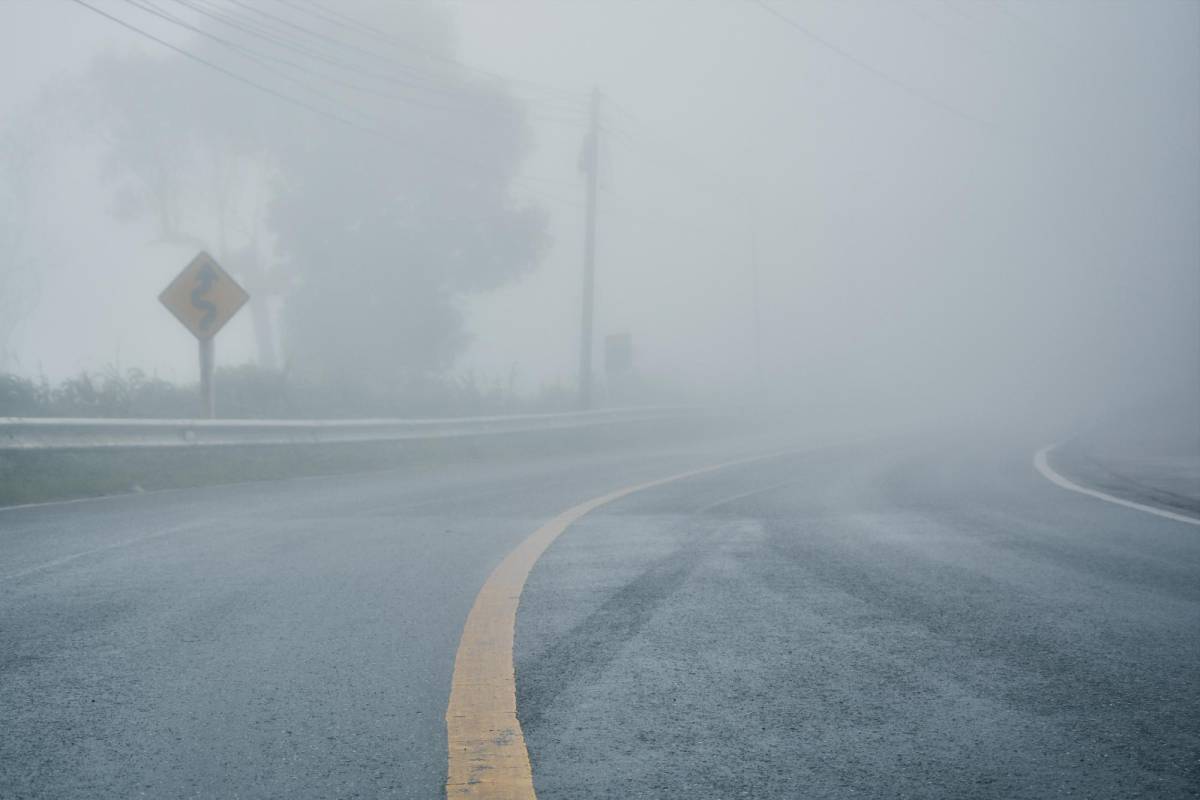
919,210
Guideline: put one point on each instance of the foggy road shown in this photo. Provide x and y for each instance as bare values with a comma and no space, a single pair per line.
541,399
901,619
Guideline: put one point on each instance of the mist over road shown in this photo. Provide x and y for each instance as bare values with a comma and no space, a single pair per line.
700,365
888,619
931,622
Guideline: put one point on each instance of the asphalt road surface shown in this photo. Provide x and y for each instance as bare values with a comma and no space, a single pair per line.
897,619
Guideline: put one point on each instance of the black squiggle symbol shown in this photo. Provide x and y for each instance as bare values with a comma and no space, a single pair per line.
204,281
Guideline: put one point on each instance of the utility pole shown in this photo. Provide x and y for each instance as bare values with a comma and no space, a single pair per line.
590,163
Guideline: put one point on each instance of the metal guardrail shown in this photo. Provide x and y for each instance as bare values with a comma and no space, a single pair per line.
38,433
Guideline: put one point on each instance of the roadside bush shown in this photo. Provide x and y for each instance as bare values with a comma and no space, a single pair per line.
113,394
249,392
22,397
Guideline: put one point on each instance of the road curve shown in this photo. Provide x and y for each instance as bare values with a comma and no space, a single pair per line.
875,620
925,621
278,639
1041,462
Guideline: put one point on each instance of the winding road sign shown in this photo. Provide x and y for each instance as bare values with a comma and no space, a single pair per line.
203,297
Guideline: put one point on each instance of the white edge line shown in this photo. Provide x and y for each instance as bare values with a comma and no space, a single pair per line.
1042,463
67,559
131,493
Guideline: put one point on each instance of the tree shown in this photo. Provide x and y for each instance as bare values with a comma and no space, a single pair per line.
18,264
384,232
380,212
194,158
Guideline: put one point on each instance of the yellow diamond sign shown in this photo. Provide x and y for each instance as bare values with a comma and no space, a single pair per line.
203,297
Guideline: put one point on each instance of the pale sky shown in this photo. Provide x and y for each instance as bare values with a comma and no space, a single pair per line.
1003,187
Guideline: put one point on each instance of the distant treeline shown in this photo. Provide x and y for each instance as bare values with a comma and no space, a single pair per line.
250,392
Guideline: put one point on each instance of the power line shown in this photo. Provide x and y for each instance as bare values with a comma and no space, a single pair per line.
287,98
349,22
309,31
574,105
846,54
261,59
721,182
228,73
258,58
284,41
273,34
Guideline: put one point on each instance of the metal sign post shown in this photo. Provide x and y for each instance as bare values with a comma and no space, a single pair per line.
204,297
208,397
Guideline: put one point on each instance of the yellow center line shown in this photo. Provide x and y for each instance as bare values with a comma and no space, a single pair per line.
487,754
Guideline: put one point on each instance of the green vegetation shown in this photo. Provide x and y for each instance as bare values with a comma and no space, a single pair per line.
249,392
